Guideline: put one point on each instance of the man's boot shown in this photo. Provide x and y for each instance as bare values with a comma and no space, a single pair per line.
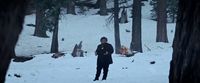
96,79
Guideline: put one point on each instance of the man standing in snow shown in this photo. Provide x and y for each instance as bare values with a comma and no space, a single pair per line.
104,59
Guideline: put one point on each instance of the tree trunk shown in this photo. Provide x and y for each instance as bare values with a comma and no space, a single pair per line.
13,53
11,23
161,23
71,7
124,16
40,29
97,5
54,45
116,27
173,18
30,8
185,64
136,43
103,8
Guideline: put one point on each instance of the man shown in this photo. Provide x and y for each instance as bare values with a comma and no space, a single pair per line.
104,59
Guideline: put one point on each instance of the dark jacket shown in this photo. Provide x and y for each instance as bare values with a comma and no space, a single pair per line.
104,52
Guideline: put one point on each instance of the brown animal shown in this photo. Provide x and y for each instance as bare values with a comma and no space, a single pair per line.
11,23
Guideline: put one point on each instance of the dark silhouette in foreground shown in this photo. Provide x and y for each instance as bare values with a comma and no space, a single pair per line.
185,64
12,14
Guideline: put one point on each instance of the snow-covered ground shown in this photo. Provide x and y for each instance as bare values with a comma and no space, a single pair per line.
89,29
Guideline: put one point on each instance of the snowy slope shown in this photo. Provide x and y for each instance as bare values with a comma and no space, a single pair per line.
136,69
89,28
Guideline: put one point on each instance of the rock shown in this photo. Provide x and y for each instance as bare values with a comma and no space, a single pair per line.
9,75
17,75
152,62
128,31
62,39
39,46
57,55
22,58
77,51
132,61
31,25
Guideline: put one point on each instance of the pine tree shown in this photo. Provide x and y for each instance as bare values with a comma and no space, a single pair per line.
136,42
161,35
171,10
53,19
71,7
12,15
103,8
116,27
185,64
50,19
41,27
44,12
153,11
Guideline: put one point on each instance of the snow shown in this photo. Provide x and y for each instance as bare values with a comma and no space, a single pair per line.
89,29
82,70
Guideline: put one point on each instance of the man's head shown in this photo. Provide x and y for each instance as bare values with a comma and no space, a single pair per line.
103,40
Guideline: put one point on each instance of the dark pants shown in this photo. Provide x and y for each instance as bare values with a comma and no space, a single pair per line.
105,70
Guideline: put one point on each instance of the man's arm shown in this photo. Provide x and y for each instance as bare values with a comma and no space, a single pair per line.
111,50
97,50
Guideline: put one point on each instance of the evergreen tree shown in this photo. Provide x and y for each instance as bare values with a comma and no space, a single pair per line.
136,42
153,3
12,15
41,27
71,7
185,63
50,19
161,35
171,10
103,8
45,10
53,13
116,27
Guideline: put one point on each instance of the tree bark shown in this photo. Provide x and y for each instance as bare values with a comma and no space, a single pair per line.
54,45
71,7
40,29
161,23
11,23
136,43
116,27
173,18
185,64
97,5
103,8
30,8
13,53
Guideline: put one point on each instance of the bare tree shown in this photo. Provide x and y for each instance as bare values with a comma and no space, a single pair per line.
185,64
116,27
162,21
136,43
11,23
